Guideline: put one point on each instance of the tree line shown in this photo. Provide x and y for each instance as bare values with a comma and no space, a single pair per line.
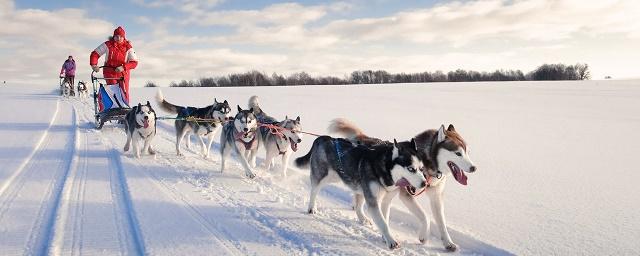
255,78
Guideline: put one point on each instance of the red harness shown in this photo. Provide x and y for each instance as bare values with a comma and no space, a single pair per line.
248,145
423,189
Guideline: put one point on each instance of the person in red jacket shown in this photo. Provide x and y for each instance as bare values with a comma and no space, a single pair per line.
120,59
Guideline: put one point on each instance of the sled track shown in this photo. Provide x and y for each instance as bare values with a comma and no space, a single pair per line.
230,246
36,149
129,234
40,233
124,206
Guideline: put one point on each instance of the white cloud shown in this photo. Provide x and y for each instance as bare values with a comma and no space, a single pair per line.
178,3
286,14
36,42
466,22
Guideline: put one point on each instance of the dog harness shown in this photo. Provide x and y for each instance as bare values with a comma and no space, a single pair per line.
248,145
280,152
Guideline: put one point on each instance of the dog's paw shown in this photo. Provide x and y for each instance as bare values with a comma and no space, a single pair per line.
423,237
366,222
393,244
152,152
312,211
450,246
126,148
250,175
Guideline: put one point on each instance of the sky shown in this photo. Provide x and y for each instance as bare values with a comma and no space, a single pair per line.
189,39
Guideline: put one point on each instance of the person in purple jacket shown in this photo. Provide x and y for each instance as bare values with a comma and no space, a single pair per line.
68,71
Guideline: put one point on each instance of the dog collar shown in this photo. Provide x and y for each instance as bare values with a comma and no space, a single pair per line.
278,145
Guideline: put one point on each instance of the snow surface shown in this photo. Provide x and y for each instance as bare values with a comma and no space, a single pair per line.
556,174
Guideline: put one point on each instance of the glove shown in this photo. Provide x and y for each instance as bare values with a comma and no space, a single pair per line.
95,68
119,69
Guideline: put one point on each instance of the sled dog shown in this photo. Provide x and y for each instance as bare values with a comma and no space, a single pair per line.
83,92
443,152
140,125
240,135
214,117
280,140
371,172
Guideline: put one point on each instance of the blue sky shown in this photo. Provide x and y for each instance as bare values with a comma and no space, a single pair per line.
188,39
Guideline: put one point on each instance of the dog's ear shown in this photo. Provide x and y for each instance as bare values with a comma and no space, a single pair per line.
225,102
215,100
239,108
148,104
441,134
251,110
395,143
413,144
298,118
286,117
451,128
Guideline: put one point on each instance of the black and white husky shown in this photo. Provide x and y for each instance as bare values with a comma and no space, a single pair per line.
241,136
443,152
279,141
371,172
215,116
65,88
140,124
83,92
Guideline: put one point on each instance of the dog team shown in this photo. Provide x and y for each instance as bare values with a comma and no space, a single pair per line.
375,170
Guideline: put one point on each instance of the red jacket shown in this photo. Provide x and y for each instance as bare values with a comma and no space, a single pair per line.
117,54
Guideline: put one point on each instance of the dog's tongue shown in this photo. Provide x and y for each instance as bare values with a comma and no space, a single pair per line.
460,177
145,123
402,182
294,146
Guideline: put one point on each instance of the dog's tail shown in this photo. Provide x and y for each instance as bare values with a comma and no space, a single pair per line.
166,106
351,132
346,128
303,161
255,104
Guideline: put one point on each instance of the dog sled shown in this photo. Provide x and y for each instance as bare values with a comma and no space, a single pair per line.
108,100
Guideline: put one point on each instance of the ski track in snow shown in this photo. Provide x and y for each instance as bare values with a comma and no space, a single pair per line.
41,178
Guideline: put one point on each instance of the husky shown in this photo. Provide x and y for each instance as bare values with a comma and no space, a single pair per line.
282,139
218,113
140,124
83,92
371,172
443,152
241,136
66,88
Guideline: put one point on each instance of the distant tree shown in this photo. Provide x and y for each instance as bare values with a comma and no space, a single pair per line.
356,77
583,71
278,79
224,82
207,82
150,84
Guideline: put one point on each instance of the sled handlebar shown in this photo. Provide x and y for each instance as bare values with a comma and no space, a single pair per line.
93,75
